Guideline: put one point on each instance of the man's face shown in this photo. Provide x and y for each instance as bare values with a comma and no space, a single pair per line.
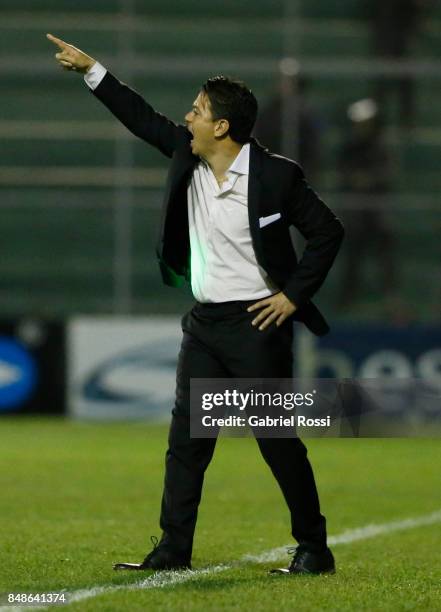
200,123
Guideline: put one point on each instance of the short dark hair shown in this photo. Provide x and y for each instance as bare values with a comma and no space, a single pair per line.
232,100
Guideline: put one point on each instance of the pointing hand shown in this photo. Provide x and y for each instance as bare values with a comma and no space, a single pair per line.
71,58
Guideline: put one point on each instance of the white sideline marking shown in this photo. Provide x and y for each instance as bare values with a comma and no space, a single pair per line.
171,578
156,581
353,535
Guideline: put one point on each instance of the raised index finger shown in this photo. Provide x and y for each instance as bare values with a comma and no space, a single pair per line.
57,41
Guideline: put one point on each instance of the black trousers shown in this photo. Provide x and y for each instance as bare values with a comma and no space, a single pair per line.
220,342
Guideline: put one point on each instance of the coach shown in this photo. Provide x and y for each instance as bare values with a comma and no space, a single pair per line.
228,207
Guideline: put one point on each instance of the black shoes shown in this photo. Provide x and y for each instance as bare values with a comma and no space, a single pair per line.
306,562
159,559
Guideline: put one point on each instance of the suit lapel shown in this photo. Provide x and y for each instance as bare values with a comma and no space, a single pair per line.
254,197
174,211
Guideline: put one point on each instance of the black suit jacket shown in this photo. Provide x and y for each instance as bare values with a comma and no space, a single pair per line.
276,185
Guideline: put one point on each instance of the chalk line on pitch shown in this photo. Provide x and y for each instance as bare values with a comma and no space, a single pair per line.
353,535
172,578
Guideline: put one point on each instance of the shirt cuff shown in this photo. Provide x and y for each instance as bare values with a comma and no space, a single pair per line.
95,75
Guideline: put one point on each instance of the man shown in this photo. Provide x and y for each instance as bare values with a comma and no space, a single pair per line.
228,207
290,104
365,170
395,26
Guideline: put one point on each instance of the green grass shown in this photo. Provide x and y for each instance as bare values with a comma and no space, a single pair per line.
77,497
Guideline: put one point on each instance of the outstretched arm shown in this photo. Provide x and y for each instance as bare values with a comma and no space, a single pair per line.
125,103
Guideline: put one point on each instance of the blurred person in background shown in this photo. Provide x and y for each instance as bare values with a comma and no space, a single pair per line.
229,205
290,110
395,25
365,175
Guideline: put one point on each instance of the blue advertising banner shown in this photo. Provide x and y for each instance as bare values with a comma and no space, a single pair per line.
32,367
370,351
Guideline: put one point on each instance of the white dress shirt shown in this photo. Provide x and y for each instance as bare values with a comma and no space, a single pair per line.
223,263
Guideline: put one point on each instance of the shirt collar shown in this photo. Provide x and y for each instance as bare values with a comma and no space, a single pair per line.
241,164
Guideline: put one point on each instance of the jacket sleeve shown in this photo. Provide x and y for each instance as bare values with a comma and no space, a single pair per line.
323,232
138,116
